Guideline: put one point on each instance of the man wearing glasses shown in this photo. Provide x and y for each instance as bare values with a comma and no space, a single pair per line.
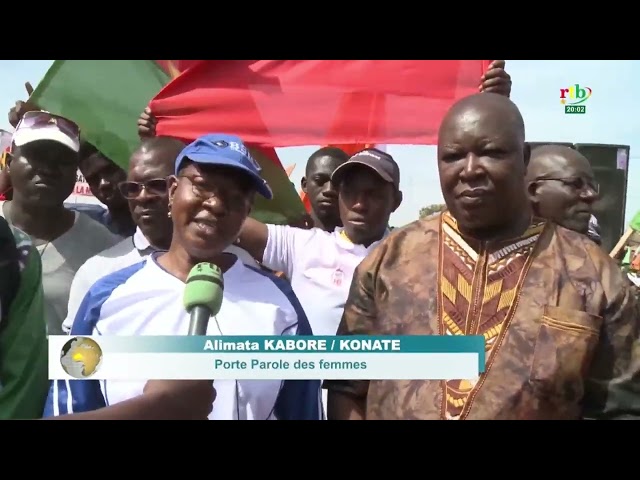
44,162
146,191
562,187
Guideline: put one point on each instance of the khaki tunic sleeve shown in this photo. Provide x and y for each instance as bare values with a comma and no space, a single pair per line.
360,315
612,389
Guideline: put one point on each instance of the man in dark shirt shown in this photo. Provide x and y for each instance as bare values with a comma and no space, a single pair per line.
103,176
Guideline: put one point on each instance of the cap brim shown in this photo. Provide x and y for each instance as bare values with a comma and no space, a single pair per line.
339,172
262,187
24,136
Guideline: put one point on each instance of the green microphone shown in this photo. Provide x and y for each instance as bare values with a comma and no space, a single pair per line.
203,296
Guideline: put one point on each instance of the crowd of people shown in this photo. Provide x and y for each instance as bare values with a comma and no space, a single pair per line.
510,259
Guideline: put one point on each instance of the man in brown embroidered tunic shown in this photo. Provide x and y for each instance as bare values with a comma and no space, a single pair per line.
557,315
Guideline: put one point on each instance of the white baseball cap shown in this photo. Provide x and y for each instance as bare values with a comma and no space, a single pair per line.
41,125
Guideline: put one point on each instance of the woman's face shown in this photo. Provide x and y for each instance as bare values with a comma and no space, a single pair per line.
208,205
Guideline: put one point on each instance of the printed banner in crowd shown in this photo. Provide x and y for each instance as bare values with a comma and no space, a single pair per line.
82,187
282,103
82,192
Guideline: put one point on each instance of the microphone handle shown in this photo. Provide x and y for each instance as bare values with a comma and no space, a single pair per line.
199,320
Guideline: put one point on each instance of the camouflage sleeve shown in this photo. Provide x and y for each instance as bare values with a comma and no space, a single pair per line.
360,315
612,389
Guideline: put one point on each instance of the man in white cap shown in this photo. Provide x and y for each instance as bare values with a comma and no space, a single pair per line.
44,161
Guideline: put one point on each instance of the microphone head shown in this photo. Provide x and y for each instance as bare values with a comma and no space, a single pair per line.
204,288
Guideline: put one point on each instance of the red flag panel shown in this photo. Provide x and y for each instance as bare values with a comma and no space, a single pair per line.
282,103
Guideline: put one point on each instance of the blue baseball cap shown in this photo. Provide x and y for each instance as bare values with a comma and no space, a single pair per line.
226,151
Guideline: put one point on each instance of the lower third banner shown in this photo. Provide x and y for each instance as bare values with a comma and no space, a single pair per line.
266,358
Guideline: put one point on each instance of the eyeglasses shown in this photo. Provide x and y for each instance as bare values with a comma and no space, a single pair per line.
155,187
235,200
577,183
40,119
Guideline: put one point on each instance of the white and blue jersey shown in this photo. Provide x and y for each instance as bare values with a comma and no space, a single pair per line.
144,299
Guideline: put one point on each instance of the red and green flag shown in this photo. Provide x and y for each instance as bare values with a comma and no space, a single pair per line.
268,103
105,97
352,104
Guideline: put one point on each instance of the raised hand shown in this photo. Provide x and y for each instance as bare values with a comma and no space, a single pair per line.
17,112
496,79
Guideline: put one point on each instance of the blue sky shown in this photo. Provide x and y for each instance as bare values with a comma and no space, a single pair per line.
536,89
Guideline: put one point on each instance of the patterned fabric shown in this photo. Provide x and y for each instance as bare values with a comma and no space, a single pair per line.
477,291
558,316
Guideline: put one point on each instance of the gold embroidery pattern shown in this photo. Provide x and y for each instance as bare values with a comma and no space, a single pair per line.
476,297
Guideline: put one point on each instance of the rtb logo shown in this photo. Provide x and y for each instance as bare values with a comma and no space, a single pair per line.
573,98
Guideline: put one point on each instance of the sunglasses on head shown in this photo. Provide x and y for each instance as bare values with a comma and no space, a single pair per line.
155,187
39,119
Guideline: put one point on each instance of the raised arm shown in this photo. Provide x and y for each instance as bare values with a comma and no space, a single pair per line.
161,400
496,79
253,238
17,112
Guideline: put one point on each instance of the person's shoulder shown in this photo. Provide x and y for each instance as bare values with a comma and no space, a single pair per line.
124,247
268,286
244,256
416,229
270,296
92,210
412,240
259,276
96,232
114,258
575,242
24,245
107,284
109,294
587,261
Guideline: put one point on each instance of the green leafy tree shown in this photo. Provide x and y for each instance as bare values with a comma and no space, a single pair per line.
431,209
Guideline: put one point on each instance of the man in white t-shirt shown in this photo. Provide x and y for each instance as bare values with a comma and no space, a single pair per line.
320,191
319,264
44,162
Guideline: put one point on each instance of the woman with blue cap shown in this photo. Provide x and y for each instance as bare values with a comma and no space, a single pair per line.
210,196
